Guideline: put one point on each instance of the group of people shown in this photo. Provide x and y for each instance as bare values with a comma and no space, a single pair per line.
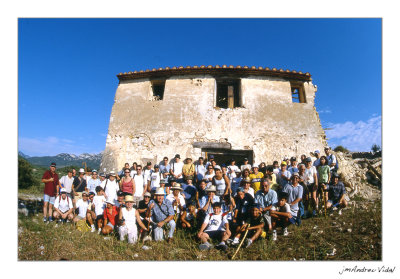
214,202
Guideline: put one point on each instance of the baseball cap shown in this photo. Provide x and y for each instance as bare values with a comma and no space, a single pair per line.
283,163
293,159
147,194
211,156
317,151
52,164
177,156
120,193
63,190
156,166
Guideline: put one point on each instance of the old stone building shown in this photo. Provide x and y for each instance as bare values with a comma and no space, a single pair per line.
232,112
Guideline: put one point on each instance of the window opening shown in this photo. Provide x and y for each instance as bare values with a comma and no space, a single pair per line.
158,87
228,93
297,91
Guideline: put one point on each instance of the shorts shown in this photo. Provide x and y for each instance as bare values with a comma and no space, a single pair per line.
98,217
215,234
267,218
110,225
47,198
295,221
312,187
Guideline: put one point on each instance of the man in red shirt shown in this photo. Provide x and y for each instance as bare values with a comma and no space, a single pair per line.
50,180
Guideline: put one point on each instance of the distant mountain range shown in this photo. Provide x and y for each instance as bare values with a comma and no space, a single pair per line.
65,159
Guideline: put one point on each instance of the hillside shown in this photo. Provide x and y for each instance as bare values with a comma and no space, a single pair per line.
65,159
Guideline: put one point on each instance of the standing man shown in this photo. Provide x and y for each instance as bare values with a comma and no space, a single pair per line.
165,168
176,168
200,169
51,184
295,194
80,184
93,182
332,162
66,183
140,185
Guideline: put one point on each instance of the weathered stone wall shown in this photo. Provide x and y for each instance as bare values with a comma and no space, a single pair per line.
142,129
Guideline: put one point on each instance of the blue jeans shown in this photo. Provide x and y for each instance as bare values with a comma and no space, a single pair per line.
159,232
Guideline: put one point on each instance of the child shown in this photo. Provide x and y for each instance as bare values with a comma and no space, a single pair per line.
280,215
99,203
254,224
215,226
189,217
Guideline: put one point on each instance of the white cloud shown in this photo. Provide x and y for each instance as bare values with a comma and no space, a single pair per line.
358,136
325,111
51,146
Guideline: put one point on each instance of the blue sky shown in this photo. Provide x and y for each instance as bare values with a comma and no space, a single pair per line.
67,70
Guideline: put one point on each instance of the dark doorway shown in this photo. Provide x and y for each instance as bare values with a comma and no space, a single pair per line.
224,156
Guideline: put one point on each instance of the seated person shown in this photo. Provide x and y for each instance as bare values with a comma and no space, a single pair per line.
280,215
90,214
99,203
120,199
162,213
177,199
244,201
142,209
215,226
82,207
254,224
110,216
206,203
189,217
63,207
128,216
336,191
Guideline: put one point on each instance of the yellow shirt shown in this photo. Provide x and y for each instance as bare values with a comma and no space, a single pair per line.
256,180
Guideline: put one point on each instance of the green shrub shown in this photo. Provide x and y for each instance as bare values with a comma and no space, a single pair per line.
25,175
340,148
375,148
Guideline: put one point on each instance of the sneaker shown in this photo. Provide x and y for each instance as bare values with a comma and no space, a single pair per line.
44,219
205,246
68,221
235,242
59,221
340,212
248,243
229,242
99,231
93,229
51,219
274,235
285,232
314,213
222,246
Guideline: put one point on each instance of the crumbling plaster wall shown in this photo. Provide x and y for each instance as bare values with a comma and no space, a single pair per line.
142,129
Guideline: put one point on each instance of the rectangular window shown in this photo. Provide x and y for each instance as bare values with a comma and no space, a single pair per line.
297,90
158,87
228,93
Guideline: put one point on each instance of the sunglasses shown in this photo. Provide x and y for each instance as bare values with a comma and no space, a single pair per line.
127,172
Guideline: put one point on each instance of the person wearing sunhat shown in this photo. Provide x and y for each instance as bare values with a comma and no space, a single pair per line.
110,186
295,195
176,198
80,184
63,207
162,213
51,182
246,187
110,216
128,216
206,202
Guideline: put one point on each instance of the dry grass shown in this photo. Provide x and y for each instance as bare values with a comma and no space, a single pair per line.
356,235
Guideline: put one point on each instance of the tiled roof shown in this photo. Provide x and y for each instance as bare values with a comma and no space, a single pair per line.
217,70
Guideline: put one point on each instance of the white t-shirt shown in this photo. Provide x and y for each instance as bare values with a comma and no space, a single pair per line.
285,208
171,198
67,182
176,167
133,172
112,188
146,174
82,206
209,176
243,167
63,205
230,174
99,204
139,183
201,171
155,180
310,174
215,222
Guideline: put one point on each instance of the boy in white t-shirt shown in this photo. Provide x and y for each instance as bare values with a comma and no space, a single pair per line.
82,207
280,214
99,203
215,226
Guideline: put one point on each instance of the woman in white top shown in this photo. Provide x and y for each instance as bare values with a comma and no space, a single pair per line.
209,174
222,183
128,216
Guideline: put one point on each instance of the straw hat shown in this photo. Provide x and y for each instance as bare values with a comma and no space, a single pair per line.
128,198
177,186
159,192
211,189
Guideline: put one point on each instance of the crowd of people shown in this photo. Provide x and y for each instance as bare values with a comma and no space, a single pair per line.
216,202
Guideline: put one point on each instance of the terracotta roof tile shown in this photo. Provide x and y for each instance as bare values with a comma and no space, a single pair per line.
224,70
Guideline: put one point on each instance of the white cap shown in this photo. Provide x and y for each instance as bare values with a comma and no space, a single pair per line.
63,190
82,170
111,201
255,166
